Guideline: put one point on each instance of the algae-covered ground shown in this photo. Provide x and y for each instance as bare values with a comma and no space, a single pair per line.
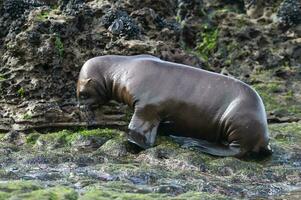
101,164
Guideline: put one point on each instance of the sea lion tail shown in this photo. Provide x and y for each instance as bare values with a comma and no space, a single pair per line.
207,147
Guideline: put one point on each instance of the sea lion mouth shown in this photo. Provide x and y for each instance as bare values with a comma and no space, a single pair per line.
84,107
93,106
138,139
266,151
263,152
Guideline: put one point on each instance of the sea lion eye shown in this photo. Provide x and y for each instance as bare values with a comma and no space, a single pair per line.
84,96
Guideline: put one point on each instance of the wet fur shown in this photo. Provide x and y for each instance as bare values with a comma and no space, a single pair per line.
204,105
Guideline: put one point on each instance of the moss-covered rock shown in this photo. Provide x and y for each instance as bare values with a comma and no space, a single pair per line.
9,189
287,134
32,138
117,147
117,170
78,139
92,138
18,190
53,140
99,194
57,193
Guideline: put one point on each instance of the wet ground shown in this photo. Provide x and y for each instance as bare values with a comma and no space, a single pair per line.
101,164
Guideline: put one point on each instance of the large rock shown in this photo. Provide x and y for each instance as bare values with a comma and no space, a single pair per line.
289,13
44,44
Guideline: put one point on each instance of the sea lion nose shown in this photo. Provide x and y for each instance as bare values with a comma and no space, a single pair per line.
266,151
137,139
83,107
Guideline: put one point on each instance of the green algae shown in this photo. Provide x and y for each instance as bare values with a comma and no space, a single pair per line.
165,171
199,196
59,45
116,147
56,193
11,188
166,142
30,190
21,92
4,195
115,168
106,195
32,138
236,167
286,143
286,134
295,194
109,133
99,194
208,44
27,116
2,77
128,115
56,139
279,95
277,99
43,15
100,133
19,186
118,186
293,127
66,137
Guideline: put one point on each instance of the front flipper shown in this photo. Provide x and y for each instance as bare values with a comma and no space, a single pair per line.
141,131
208,147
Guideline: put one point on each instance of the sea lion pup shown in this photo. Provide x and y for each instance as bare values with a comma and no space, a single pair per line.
225,116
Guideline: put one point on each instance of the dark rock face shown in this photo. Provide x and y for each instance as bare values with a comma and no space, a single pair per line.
11,13
187,8
163,8
16,8
71,7
289,13
111,16
121,24
44,44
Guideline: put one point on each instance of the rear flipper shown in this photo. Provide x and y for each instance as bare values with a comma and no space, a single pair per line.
207,147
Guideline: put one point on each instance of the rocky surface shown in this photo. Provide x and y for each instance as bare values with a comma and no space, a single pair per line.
43,45
101,164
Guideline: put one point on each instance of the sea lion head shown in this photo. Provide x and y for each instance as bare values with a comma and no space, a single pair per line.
256,144
88,94
249,134
262,148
